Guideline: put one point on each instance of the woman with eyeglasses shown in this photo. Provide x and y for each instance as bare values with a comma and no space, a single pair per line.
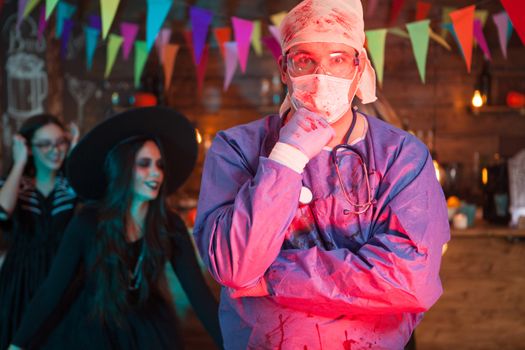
36,204
107,288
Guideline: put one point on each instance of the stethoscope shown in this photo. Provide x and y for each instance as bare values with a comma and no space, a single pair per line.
356,208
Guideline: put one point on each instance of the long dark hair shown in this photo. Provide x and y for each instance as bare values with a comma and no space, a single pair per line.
111,261
28,130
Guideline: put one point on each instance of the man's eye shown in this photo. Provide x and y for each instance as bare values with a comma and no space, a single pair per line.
339,60
305,60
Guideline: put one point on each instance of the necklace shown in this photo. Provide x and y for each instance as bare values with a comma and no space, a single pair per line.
135,276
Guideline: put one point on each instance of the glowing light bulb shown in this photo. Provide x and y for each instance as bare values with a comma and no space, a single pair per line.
198,135
484,176
477,100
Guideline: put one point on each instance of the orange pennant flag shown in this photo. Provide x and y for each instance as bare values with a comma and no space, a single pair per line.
170,53
222,35
422,10
463,22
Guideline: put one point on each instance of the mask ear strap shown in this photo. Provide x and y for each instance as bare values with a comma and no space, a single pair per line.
285,106
366,87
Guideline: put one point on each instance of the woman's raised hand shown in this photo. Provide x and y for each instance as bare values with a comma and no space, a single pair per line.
20,150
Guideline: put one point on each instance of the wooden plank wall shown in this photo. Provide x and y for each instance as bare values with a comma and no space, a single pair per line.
439,107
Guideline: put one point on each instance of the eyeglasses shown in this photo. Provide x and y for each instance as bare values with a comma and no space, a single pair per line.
47,145
337,64
356,207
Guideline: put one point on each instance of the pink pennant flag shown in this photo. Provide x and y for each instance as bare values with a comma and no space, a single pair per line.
272,45
162,40
42,23
129,33
501,20
275,32
480,39
516,11
231,57
242,32
201,67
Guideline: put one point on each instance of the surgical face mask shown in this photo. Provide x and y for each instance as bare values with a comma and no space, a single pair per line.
323,94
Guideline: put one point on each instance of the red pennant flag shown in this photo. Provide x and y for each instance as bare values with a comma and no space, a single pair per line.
422,10
395,10
222,35
463,22
516,11
201,67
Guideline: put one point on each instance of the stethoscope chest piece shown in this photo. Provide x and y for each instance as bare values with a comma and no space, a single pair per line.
306,195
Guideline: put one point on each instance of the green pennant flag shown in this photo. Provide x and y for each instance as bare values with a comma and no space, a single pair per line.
376,47
256,37
50,6
114,43
31,4
419,35
141,56
108,9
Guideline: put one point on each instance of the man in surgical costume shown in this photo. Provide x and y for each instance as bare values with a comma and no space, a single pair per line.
324,226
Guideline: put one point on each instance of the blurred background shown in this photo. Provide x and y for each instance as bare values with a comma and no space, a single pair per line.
450,72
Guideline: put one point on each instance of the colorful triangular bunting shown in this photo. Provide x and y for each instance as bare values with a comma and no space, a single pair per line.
273,45
129,33
200,22
242,32
64,12
155,17
91,35
277,18
170,54
463,22
256,38
231,62
114,44
222,35
516,11
376,47
422,10
141,56
162,40
419,37
480,38
108,9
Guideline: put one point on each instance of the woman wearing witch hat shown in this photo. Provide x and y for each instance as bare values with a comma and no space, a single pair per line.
107,288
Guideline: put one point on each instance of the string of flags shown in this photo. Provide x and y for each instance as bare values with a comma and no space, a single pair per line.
465,24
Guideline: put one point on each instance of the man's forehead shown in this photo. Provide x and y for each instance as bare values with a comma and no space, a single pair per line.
324,48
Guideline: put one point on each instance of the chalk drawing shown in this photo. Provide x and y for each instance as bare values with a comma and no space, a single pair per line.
82,91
